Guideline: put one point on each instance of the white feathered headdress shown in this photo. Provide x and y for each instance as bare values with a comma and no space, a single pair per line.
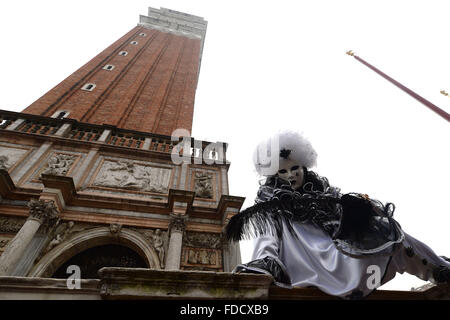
292,144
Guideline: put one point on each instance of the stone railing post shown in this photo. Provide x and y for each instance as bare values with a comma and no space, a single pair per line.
41,213
105,135
13,126
176,228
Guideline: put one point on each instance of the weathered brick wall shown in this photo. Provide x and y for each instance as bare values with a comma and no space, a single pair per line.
150,89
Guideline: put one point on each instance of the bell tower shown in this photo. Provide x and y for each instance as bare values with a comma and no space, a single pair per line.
145,81
90,175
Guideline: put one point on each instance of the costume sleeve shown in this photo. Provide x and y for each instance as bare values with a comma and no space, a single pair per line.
416,258
266,260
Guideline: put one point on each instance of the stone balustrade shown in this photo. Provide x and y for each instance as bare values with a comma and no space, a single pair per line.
109,135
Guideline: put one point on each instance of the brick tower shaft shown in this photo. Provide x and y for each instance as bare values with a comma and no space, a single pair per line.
145,81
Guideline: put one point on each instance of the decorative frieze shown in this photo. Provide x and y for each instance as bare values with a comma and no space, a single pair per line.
11,224
202,251
203,240
201,259
201,256
127,174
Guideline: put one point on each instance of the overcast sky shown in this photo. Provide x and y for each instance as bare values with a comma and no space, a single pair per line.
269,66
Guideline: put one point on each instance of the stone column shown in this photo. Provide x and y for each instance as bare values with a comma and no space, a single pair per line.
41,213
176,227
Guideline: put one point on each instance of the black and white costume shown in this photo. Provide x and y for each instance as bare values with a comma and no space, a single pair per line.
309,234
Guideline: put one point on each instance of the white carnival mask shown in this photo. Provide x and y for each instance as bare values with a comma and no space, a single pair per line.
292,172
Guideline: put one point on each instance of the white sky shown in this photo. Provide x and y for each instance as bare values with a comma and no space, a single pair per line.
282,65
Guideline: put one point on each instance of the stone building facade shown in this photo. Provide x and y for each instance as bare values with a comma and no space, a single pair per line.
90,175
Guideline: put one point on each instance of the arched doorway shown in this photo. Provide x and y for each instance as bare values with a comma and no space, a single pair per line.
91,239
93,259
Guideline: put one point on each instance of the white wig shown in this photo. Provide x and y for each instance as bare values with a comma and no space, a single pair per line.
292,144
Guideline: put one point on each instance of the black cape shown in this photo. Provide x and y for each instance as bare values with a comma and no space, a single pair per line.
357,224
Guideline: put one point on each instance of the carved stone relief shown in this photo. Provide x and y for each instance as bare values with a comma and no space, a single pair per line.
3,243
59,164
115,228
203,185
159,241
199,259
126,174
4,162
202,251
10,156
61,234
203,240
11,224
202,256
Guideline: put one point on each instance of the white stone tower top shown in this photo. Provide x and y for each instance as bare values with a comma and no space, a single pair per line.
175,22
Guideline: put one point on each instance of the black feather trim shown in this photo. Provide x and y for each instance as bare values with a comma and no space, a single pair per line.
260,219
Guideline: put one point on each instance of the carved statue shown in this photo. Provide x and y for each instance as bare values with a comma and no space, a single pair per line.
61,234
203,185
158,240
158,244
59,164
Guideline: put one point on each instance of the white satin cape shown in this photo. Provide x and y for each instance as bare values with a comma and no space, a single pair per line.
314,260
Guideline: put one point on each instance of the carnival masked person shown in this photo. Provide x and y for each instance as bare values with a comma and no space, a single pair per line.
309,234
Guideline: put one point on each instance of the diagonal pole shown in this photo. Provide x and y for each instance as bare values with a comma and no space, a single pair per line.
424,101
